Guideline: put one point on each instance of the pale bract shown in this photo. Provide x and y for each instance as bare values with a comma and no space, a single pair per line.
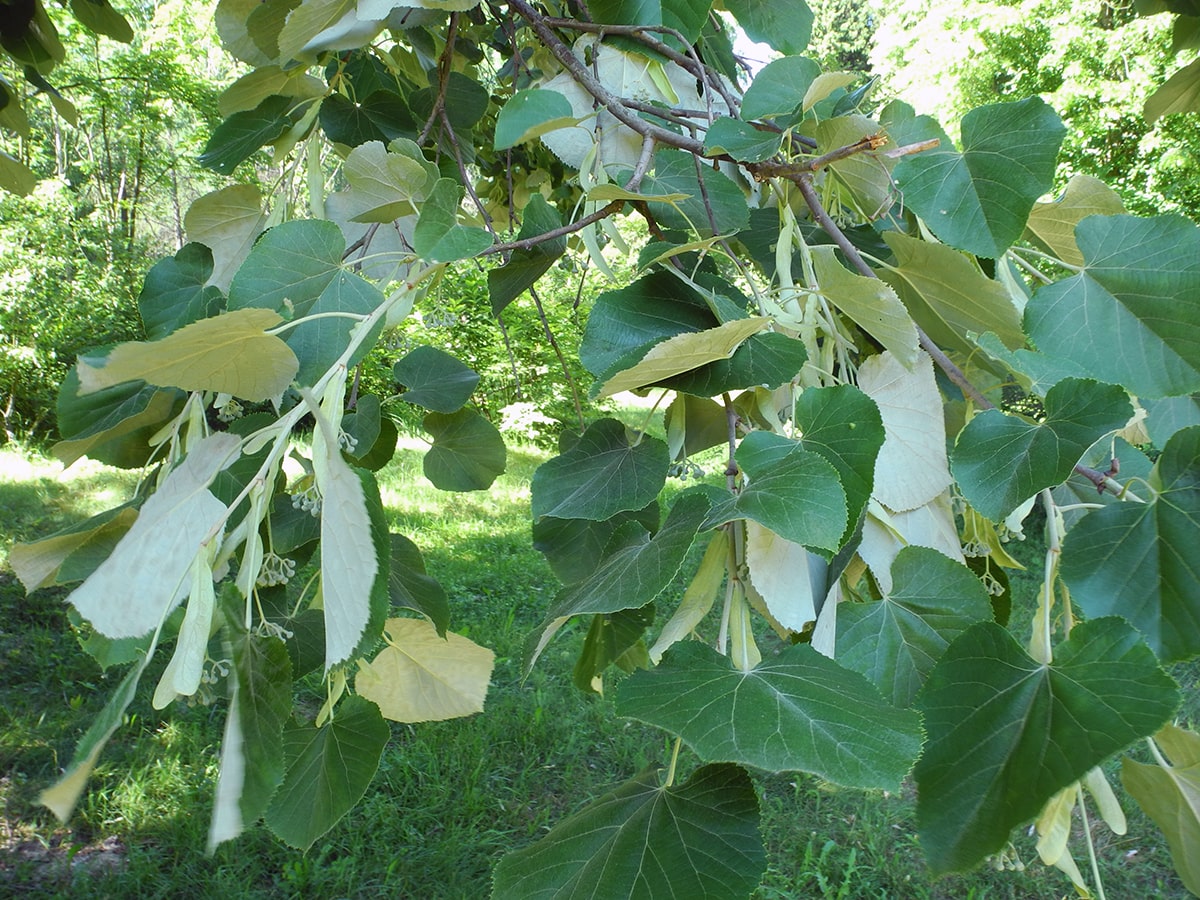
148,573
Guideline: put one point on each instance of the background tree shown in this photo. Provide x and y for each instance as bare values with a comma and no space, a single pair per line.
1096,64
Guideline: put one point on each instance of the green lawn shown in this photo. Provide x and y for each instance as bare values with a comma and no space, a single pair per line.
450,798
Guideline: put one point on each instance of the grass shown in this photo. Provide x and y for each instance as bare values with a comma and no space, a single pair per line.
450,798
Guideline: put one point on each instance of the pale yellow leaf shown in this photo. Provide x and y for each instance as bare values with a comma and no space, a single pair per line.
912,467
824,85
231,20
786,576
147,574
226,221
1051,226
886,533
231,353
349,562
60,798
37,564
226,821
699,597
421,677
308,20
383,186
683,353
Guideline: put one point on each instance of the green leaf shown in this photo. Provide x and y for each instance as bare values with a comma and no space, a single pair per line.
437,236
779,87
176,291
895,641
468,453
763,360
383,116
603,474
685,16
15,176
237,138
609,636
979,200
530,114
1180,94
798,711
465,100
864,179
740,140
252,763
948,295
629,321
1170,795
1137,560
681,353
113,425
1132,315
636,568
694,424
328,771
410,587
385,184
792,491
41,563
99,17
1000,461
1006,733
435,380
843,425
320,343
644,841
525,267
785,25
574,547
717,206
289,267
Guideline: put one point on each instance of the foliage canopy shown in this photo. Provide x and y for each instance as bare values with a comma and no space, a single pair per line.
830,290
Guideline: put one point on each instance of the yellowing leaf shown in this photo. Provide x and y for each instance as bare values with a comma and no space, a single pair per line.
606,193
911,468
886,533
383,185
824,85
684,352
256,86
309,20
181,678
785,575
420,677
870,303
147,574
230,353
1170,795
38,563
1051,226
227,222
